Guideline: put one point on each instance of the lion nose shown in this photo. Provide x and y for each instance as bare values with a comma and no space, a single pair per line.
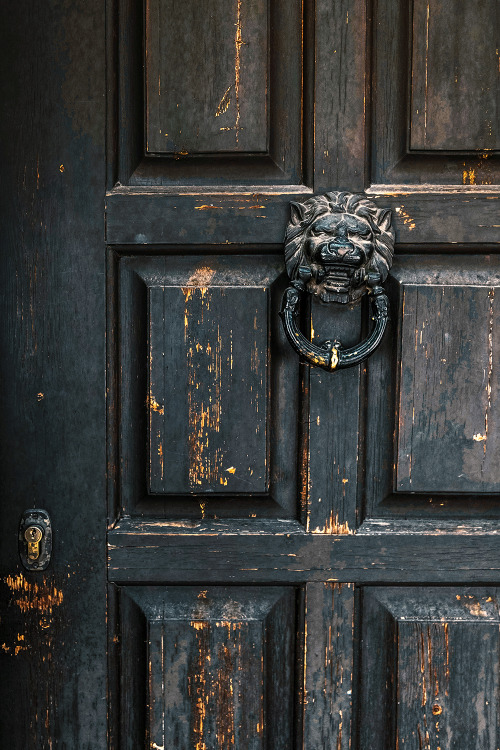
335,250
342,249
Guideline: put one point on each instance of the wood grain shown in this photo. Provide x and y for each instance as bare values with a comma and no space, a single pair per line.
329,678
239,88
52,426
257,216
340,113
209,387
452,80
331,494
270,551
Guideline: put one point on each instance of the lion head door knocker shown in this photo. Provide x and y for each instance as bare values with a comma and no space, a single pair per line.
338,247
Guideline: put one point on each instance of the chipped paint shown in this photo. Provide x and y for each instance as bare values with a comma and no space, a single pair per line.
29,596
39,599
474,608
479,171
238,42
468,176
160,456
491,299
405,216
197,683
333,526
204,413
224,104
204,408
201,276
224,717
212,688
155,406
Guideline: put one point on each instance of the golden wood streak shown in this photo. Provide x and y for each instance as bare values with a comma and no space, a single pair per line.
237,65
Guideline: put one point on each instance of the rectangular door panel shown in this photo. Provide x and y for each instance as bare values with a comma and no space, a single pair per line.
208,667
206,76
208,384
209,371
431,425
435,113
454,94
209,93
448,437
430,669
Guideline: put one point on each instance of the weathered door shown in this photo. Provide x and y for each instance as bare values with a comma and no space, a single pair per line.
296,559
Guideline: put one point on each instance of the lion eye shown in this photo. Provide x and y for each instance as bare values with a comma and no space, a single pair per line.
360,233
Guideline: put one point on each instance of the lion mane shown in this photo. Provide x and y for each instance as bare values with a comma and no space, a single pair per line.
303,214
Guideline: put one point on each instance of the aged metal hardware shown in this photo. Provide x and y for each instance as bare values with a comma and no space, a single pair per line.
35,539
33,535
338,246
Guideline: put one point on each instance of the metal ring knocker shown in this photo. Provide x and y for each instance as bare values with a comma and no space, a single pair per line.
338,246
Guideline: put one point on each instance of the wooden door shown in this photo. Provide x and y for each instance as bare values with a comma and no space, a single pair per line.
295,558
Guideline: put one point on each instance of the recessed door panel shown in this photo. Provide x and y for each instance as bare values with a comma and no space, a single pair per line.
430,668
431,420
435,112
448,390
208,667
209,386
454,82
207,76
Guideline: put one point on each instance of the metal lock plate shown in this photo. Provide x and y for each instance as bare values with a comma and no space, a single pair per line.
35,539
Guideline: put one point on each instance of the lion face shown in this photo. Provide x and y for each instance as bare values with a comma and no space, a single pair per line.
338,248
334,241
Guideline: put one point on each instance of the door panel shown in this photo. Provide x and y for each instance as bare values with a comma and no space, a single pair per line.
436,387
208,667
206,87
443,433
430,666
208,382
435,112
211,98
454,96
